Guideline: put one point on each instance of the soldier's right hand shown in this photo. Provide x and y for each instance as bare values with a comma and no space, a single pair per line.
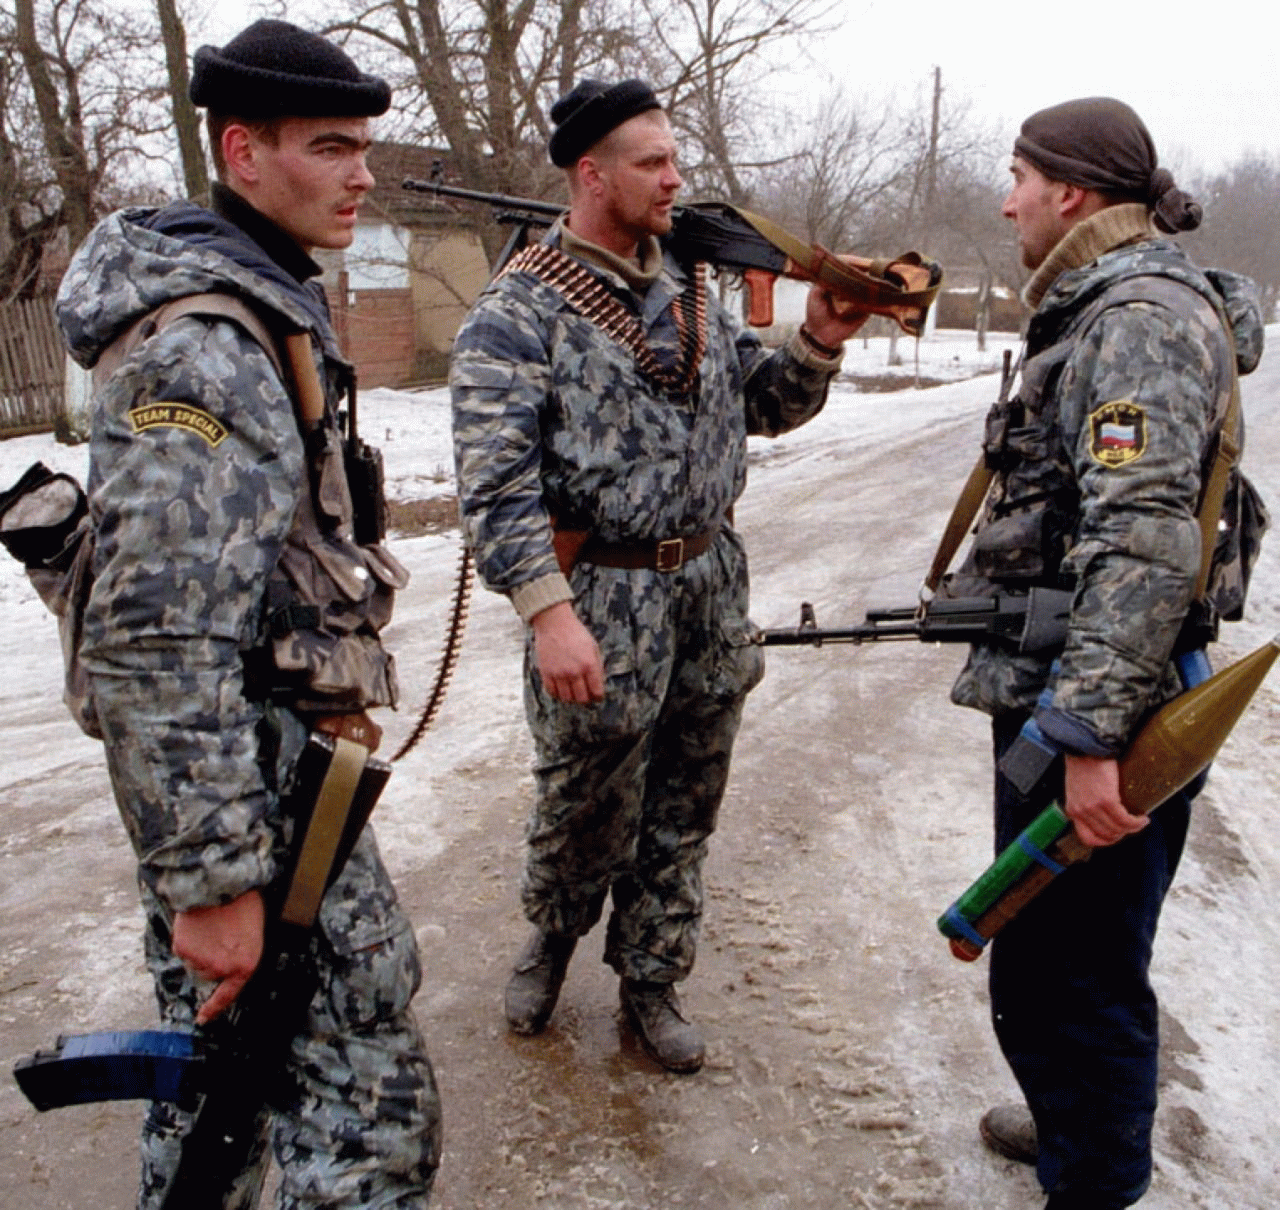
221,945
568,656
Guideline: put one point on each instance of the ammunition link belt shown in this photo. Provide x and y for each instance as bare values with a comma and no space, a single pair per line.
590,298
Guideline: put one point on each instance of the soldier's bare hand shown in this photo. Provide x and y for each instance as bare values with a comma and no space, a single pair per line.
222,945
829,320
1093,801
568,656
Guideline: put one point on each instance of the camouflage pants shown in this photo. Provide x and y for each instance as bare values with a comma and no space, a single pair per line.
364,1129
629,789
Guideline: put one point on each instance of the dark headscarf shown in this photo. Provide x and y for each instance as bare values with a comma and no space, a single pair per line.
584,116
276,70
1100,143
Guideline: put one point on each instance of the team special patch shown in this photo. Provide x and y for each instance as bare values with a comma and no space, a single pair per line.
178,416
1119,433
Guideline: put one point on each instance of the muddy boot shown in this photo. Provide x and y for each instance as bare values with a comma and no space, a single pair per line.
535,982
1010,1131
664,1033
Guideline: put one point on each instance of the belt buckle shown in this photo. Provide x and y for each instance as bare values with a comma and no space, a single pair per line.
670,554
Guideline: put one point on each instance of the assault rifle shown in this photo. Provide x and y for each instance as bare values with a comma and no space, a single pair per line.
737,241
1030,622
229,1071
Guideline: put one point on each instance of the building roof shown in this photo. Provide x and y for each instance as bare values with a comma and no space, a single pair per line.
389,202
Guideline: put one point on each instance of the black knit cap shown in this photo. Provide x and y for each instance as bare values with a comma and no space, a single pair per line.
276,70
1100,143
590,111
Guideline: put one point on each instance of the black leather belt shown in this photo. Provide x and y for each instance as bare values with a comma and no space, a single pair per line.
666,554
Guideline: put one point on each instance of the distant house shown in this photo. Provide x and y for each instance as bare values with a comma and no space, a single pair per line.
962,295
399,292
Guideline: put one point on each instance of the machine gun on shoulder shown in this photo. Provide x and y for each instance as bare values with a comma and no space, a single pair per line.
738,241
1035,621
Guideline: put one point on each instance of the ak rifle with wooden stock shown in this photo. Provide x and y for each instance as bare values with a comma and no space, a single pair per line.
737,241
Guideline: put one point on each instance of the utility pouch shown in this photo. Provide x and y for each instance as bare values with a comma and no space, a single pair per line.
1023,545
45,525
38,517
996,434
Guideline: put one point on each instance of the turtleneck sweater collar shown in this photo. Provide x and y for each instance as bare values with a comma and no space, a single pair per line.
1086,241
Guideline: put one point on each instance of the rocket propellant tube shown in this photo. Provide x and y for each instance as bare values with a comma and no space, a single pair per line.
1177,744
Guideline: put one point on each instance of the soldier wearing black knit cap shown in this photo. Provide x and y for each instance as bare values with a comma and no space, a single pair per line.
621,394
235,610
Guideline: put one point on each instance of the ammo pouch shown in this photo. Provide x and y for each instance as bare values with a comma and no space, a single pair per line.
45,525
1241,526
1025,546
328,598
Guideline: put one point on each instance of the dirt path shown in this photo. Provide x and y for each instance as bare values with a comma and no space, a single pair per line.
849,1053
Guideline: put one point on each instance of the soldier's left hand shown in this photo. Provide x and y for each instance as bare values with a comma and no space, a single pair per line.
829,320
1093,801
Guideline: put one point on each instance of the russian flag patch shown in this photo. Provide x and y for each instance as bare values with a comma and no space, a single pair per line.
1118,433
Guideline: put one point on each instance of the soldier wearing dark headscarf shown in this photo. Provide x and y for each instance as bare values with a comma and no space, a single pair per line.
602,400
1099,462
234,609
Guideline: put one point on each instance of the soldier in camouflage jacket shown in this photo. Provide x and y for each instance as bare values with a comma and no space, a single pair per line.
1098,460
212,520
602,401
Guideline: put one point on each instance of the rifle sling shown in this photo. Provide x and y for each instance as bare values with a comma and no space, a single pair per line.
324,833
207,306
962,517
1226,453
871,287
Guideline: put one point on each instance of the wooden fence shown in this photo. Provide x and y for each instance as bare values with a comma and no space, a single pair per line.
32,368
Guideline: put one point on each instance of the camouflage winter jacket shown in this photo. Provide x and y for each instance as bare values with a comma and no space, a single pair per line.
554,418
1098,459
212,542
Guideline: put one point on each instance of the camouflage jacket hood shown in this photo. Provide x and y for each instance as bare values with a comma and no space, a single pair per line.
138,259
1071,294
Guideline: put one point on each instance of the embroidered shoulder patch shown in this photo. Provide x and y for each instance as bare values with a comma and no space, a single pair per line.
178,416
1118,433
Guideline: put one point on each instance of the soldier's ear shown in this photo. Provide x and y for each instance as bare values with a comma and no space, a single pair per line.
239,147
589,174
1074,202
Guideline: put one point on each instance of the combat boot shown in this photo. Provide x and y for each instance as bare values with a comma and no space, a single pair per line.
534,986
654,1010
1010,1131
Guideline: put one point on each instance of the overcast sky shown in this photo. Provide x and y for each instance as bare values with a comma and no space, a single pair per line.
1203,75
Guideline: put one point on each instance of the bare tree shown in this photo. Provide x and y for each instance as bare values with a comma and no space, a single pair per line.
476,77
90,75
186,123
711,60
840,173
1239,230
61,117
30,205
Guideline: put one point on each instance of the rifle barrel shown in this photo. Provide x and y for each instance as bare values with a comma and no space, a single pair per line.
524,205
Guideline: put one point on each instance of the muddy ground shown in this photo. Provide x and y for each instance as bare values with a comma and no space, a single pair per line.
849,1054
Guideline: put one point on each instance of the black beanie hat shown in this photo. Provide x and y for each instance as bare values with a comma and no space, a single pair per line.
584,116
1100,143
276,70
